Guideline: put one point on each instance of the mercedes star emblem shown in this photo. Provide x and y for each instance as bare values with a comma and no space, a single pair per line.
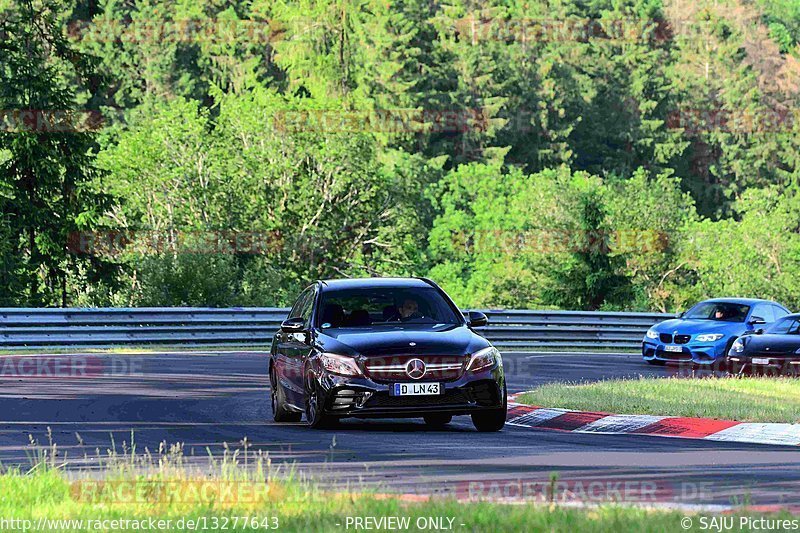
415,368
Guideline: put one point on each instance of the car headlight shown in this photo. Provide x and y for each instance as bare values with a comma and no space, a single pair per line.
652,334
709,337
340,364
737,346
483,359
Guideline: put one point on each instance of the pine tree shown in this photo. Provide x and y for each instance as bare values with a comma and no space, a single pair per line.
47,163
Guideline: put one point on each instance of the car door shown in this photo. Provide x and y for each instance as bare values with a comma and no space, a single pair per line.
288,363
299,346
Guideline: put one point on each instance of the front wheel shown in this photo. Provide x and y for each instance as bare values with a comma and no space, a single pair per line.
494,419
315,414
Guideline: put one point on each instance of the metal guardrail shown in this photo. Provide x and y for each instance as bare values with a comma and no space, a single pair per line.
507,329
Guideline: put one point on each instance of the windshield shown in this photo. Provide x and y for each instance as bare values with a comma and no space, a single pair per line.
784,326
719,311
366,307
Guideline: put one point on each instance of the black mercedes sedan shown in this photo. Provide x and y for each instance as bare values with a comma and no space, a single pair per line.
774,350
384,348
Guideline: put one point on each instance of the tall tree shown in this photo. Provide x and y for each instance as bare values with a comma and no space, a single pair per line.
47,167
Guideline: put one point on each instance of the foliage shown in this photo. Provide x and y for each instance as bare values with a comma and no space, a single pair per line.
570,154
49,184
313,204
559,239
650,217
762,257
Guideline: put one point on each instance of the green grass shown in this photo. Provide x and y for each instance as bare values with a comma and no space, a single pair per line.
142,485
48,494
757,399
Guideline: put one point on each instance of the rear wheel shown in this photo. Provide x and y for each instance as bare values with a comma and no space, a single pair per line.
437,420
280,412
494,419
315,414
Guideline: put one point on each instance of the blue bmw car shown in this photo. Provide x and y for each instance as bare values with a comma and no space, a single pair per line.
704,334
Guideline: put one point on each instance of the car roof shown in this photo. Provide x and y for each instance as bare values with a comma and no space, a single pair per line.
358,283
746,301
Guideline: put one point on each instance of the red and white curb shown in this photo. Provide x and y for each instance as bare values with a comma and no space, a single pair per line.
529,416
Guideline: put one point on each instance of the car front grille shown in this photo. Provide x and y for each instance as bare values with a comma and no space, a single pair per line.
675,356
391,369
682,339
483,394
773,353
665,337
451,397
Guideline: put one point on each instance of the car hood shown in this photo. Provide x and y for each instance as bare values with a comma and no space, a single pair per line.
396,340
775,344
693,327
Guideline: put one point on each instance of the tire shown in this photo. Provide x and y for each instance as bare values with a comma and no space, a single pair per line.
492,420
437,420
281,413
315,414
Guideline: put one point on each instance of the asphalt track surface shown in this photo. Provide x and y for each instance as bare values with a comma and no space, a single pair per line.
207,398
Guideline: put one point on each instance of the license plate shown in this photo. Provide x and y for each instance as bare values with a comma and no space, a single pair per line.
672,348
417,389
760,361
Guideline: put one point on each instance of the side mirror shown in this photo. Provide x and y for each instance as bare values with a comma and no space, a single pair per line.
680,315
293,325
477,319
756,320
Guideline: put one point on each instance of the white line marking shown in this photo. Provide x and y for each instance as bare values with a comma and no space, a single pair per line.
538,416
619,424
784,434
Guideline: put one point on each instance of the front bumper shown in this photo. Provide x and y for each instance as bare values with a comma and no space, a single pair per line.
361,397
738,362
698,353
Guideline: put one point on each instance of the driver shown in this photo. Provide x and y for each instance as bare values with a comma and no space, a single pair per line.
409,310
720,314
